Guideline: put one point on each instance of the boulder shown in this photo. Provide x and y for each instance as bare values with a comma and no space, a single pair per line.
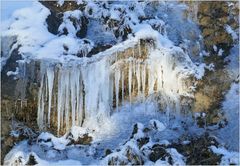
157,152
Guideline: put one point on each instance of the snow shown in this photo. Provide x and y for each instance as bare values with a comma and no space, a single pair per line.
228,158
113,134
157,24
164,142
68,24
38,46
231,32
89,89
233,62
155,124
37,42
220,52
30,33
60,2
204,53
20,156
77,132
178,159
9,73
160,162
186,142
139,133
230,107
115,14
215,48
201,69
50,140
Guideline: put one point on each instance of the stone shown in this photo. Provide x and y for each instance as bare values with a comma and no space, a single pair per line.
207,31
67,6
197,151
223,20
209,94
115,160
157,152
54,20
83,140
135,130
133,157
107,152
83,27
142,141
31,160
205,21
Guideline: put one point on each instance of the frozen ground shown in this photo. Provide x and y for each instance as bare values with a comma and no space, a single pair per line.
117,135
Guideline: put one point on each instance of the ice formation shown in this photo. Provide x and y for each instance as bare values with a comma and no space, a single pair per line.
93,88
75,89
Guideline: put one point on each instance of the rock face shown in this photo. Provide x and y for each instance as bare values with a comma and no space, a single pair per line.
20,93
197,151
213,19
18,100
69,93
34,93
83,140
157,152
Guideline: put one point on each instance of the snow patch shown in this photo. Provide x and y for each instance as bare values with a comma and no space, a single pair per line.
157,125
228,158
231,32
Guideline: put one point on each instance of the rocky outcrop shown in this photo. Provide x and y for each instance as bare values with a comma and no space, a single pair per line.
18,99
213,19
197,151
193,151
85,139
55,19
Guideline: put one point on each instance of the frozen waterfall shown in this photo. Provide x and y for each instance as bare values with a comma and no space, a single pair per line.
71,93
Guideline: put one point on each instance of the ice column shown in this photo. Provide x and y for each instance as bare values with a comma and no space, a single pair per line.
50,79
117,79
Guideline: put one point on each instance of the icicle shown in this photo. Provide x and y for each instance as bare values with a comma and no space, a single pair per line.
104,107
133,53
160,78
151,78
139,48
67,96
122,86
74,74
77,111
40,105
50,79
86,91
133,74
80,104
22,81
143,78
59,100
138,74
130,81
111,91
117,79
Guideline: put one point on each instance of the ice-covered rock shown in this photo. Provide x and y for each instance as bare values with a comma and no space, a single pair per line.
157,125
